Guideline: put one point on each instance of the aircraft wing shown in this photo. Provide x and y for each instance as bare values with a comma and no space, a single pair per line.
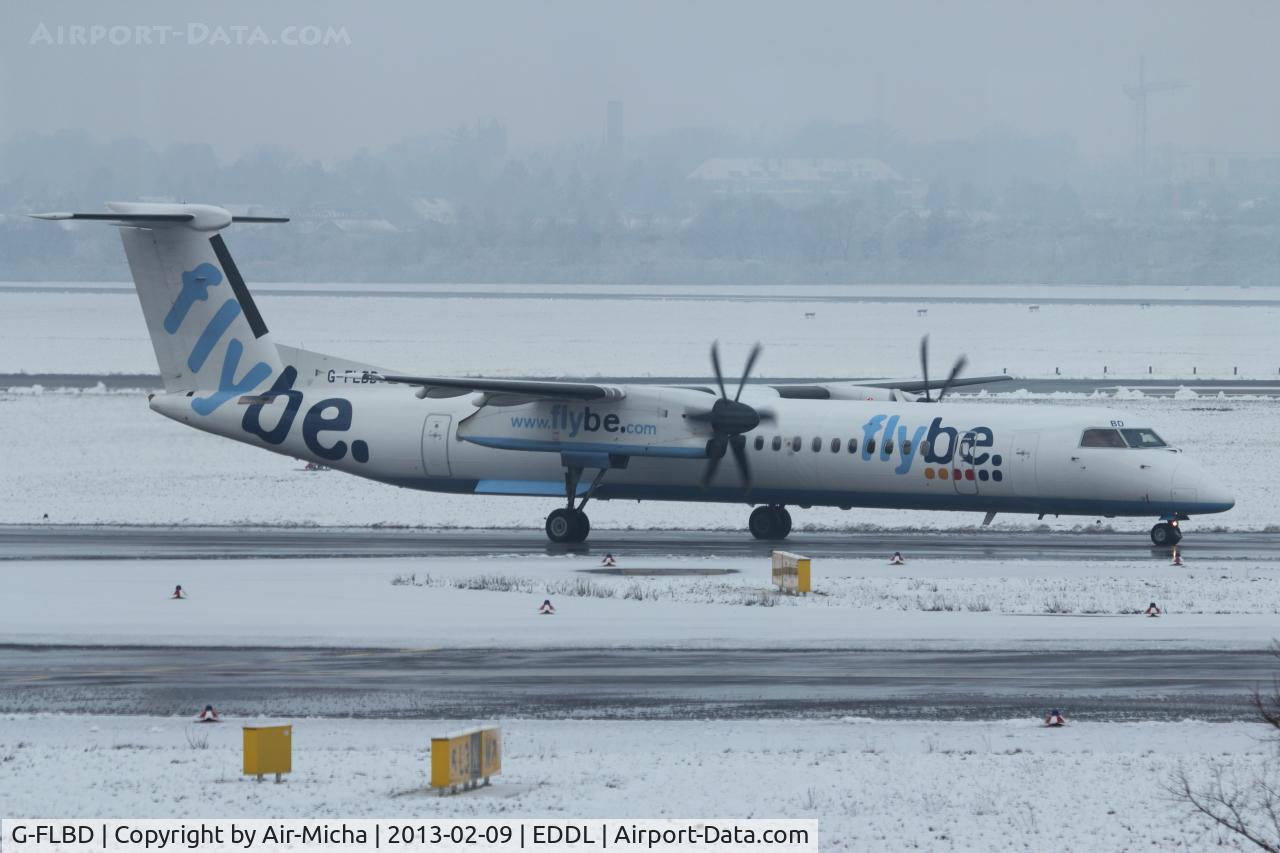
915,386
510,389
855,389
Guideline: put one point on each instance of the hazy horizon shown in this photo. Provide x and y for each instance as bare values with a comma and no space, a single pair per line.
929,70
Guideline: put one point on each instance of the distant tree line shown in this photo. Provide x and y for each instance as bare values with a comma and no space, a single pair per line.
459,207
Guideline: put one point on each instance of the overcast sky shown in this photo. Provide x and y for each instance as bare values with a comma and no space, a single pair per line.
546,70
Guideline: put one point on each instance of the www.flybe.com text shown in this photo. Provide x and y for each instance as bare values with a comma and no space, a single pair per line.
574,421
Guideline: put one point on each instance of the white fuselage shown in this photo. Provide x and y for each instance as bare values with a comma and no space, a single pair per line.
949,456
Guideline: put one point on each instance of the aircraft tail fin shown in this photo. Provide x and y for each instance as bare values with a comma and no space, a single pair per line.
207,332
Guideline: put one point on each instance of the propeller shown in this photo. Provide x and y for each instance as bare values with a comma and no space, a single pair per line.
729,420
959,365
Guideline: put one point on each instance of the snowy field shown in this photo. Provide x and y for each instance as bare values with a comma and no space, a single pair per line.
95,457
55,331
492,603
994,786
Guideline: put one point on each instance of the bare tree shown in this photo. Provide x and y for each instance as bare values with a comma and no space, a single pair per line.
1244,804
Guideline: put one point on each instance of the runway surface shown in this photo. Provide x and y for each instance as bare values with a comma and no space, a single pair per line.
633,683
70,542
1152,387
620,683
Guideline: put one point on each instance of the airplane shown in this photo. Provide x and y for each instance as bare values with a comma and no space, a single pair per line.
875,443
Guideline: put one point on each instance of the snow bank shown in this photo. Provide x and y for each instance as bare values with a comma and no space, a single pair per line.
492,602
995,786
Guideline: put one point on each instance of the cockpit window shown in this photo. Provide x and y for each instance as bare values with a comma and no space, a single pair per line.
1102,438
1143,438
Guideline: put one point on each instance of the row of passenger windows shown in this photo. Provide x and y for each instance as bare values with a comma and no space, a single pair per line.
817,445
1091,438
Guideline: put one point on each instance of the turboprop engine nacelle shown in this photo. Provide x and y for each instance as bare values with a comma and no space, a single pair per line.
644,423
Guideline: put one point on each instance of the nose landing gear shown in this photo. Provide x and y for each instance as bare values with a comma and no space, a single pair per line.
1165,534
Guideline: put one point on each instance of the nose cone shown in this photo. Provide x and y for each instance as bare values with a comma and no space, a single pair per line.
1215,495
1197,491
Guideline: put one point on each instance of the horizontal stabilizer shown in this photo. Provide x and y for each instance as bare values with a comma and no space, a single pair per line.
118,217
199,217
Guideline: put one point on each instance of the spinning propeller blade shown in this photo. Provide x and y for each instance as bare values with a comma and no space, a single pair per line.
729,420
960,364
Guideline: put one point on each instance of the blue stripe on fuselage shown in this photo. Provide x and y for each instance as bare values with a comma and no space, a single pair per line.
505,443
812,497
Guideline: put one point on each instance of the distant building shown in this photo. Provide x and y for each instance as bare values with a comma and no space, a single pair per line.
438,210
793,176
324,219
1220,167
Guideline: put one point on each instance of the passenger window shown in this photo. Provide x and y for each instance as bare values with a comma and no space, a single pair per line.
795,444
777,442
1143,438
835,445
924,448
1102,438
888,446
759,442
906,447
853,445
871,445
817,444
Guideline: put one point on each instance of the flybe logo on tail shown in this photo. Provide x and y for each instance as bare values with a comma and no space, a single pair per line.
196,285
885,437
322,419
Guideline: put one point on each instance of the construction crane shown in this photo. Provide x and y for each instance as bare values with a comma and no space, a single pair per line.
1138,94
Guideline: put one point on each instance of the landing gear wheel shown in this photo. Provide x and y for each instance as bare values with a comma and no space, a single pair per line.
568,525
769,522
784,521
583,526
1165,534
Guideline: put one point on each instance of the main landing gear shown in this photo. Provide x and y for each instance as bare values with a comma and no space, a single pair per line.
770,522
570,524
1166,534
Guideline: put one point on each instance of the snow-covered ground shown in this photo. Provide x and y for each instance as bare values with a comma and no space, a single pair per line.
95,457
1002,785
54,331
492,603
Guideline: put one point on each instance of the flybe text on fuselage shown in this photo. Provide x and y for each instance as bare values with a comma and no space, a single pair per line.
574,421
329,415
936,444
